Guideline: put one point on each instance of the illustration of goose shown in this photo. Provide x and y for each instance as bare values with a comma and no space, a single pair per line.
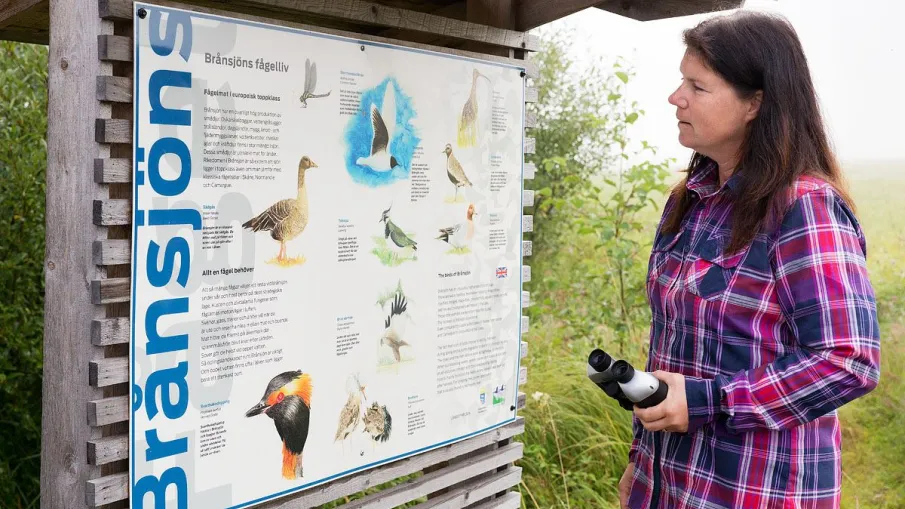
454,171
468,122
378,422
380,158
458,235
393,329
285,219
351,412
310,84
287,400
395,233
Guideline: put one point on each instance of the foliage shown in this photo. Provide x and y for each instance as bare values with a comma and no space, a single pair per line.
23,113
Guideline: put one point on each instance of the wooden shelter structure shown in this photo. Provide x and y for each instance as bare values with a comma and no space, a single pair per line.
84,457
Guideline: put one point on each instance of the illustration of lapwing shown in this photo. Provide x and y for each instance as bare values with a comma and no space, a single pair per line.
384,124
310,84
393,232
459,235
393,327
454,171
378,422
285,219
468,122
351,412
287,400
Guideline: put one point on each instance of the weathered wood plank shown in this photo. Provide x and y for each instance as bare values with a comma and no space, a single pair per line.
530,145
112,212
110,331
524,324
108,411
439,479
526,273
10,9
527,248
112,252
528,171
109,371
526,298
115,10
354,484
522,375
108,449
511,500
113,171
530,120
108,291
521,401
475,489
530,95
113,130
527,198
114,48
114,89
527,223
106,490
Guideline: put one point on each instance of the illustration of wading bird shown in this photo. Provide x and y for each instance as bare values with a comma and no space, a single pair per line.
285,219
287,400
454,171
378,422
310,84
468,122
394,328
458,235
395,233
380,158
351,412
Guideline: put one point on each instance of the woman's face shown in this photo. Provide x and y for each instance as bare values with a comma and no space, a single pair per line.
712,117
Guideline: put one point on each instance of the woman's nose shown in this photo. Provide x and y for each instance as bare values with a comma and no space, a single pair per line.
677,99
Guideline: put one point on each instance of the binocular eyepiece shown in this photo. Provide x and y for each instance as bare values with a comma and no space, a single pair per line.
622,382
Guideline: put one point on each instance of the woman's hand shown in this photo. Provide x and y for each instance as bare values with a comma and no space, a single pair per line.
672,413
625,485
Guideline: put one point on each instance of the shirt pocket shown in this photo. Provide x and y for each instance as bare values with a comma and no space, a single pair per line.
710,271
660,253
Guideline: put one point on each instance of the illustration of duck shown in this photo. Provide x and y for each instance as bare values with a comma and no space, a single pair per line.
395,233
459,235
285,219
393,328
468,122
378,422
310,84
380,158
454,171
287,400
351,412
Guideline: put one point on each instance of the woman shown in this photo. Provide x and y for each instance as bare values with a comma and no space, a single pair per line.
763,318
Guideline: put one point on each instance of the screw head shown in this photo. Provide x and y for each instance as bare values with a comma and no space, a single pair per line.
142,13
362,47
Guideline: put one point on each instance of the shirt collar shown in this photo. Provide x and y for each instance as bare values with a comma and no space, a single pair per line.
704,179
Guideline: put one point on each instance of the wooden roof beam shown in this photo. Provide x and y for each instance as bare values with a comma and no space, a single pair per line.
649,10
20,19
534,13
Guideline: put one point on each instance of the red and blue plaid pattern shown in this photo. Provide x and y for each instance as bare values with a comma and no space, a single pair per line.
771,340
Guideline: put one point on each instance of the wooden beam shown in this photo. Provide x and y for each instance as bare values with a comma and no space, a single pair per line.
534,13
649,10
10,10
110,331
496,13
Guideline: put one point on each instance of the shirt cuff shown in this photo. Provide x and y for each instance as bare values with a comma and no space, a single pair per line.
704,401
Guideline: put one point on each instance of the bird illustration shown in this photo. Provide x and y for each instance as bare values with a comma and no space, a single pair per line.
393,329
310,84
287,400
454,171
468,122
380,158
285,219
348,417
395,233
459,235
378,422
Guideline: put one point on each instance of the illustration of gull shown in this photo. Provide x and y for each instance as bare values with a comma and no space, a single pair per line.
310,84
468,129
392,331
454,171
457,236
395,233
380,158
348,417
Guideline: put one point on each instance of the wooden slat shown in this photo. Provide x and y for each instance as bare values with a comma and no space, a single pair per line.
530,120
526,273
108,410
114,48
521,401
110,371
511,500
529,145
526,298
113,171
530,95
439,479
106,490
116,89
522,375
527,248
527,198
112,251
527,223
113,130
108,291
523,350
475,489
369,13
108,449
110,331
528,171
10,9
525,324
112,212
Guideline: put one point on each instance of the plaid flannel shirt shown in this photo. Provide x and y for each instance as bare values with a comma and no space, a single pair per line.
771,340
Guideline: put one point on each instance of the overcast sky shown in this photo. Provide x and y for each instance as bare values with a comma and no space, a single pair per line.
856,51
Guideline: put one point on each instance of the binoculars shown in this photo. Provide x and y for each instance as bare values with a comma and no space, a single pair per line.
620,381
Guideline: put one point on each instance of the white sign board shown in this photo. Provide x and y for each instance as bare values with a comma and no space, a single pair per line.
327,256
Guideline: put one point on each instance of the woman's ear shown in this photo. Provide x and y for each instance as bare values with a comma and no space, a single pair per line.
754,106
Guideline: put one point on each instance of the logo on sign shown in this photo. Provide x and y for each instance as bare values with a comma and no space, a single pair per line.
498,393
483,396
502,272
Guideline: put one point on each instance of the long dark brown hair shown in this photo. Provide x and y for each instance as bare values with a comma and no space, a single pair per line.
755,51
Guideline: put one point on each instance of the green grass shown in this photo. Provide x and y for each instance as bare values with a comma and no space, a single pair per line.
388,256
